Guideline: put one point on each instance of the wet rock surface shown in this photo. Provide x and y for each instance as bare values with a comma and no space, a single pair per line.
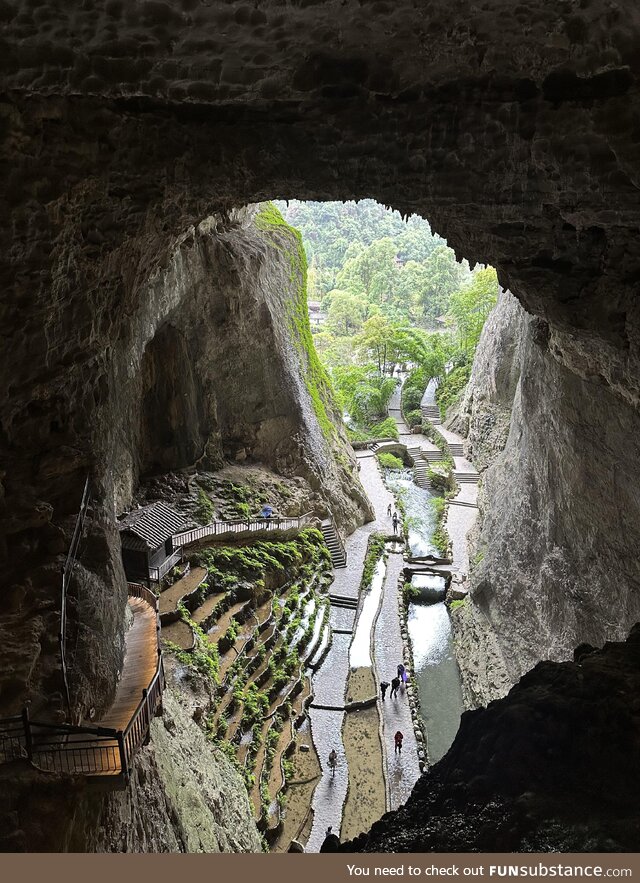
201,361
184,796
551,767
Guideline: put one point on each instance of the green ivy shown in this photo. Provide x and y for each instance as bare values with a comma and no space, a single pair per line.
289,241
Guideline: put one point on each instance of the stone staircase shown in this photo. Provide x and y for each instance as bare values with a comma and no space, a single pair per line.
466,477
456,449
343,601
334,543
433,456
421,474
431,413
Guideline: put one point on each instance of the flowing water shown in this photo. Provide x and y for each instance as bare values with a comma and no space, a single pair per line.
435,667
421,516
360,651
437,675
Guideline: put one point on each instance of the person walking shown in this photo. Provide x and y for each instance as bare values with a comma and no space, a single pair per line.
384,686
389,511
394,521
395,683
401,671
398,742
333,762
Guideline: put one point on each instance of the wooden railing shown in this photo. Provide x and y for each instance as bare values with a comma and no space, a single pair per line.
90,751
156,573
217,528
66,578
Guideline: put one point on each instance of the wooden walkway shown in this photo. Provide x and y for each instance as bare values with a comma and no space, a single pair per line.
138,668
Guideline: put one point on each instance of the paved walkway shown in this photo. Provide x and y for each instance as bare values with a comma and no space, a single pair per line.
460,519
329,682
402,771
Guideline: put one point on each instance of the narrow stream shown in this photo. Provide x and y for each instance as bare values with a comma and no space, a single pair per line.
360,651
421,517
435,666
437,675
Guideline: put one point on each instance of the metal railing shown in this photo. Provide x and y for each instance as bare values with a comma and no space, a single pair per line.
66,578
80,750
217,528
156,573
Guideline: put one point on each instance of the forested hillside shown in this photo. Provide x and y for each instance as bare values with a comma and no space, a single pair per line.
391,292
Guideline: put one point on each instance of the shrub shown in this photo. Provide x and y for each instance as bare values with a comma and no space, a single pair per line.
413,418
375,551
204,511
451,387
390,461
385,429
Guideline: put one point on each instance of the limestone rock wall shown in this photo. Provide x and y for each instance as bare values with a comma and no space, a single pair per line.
197,362
555,561
483,415
184,796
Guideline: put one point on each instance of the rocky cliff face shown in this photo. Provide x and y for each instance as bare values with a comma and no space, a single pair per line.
559,516
483,415
550,768
184,796
205,360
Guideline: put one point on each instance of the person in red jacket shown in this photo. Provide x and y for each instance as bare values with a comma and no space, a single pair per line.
398,742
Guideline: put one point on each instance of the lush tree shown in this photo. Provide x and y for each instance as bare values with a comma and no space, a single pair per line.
346,312
469,307
442,276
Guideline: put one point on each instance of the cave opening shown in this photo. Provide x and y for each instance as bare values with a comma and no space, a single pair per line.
140,338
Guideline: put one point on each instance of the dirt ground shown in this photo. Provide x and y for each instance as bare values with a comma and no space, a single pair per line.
298,815
366,799
361,685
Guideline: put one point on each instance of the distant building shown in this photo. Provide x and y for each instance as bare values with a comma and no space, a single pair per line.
316,316
399,262
146,535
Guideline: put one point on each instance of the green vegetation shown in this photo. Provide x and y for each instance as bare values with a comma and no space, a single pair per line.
289,240
375,551
440,534
390,461
456,605
226,564
205,511
393,294
410,593
204,657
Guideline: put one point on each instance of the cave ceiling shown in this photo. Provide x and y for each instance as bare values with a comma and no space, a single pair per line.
514,128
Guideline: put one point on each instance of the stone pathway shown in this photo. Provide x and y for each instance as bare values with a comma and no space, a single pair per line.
402,771
329,682
460,519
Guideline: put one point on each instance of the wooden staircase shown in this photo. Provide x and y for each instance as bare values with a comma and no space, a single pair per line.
334,543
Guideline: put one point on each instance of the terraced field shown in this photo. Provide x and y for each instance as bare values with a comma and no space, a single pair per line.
262,641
